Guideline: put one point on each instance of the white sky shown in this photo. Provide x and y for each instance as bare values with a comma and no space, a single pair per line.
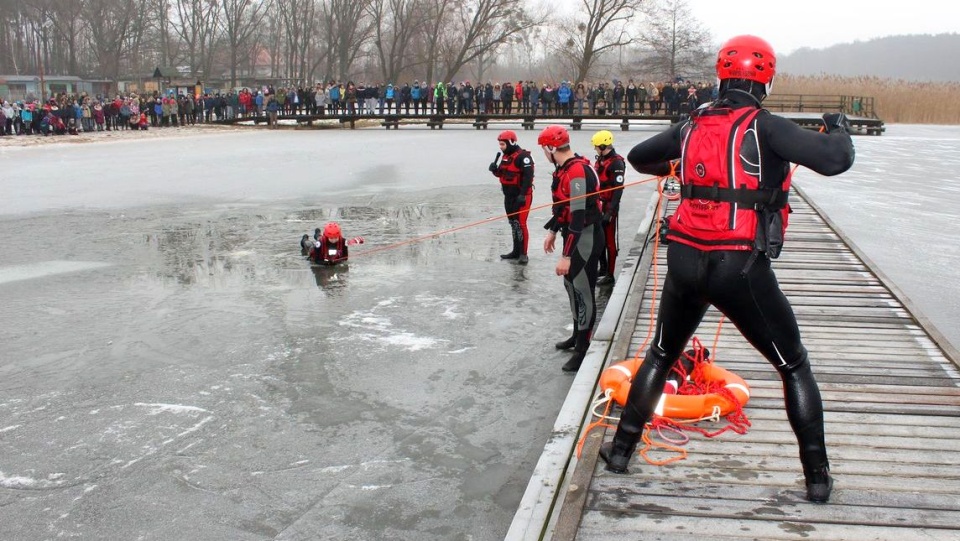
791,24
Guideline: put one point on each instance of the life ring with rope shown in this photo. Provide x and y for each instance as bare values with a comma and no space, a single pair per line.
730,393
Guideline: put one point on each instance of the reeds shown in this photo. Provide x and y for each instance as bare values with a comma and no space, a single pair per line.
895,101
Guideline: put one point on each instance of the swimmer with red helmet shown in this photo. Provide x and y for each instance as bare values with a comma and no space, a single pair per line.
328,246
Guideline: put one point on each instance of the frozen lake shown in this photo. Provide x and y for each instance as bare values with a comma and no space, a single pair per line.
171,368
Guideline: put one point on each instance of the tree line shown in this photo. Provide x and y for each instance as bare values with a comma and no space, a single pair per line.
305,41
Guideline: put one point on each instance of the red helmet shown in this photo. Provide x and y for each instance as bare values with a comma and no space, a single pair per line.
746,57
507,136
332,230
554,136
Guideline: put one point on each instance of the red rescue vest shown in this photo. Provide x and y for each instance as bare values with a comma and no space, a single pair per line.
603,173
329,253
575,167
722,200
510,171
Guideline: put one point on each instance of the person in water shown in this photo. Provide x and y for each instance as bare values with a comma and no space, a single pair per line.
728,226
328,246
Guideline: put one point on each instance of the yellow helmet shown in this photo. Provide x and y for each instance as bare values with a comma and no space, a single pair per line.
602,138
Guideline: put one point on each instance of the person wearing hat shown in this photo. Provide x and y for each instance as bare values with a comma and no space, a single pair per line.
514,167
576,217
328,246
735,162
610,168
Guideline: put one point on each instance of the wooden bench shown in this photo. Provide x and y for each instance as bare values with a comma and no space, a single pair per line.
480,122
527,122
391,121
436,121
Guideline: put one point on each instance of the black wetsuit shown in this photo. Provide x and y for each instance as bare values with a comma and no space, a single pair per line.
739,283
576,215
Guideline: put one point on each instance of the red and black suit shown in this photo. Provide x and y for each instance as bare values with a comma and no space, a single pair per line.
736,161
515,171
327,252
576,216
611,169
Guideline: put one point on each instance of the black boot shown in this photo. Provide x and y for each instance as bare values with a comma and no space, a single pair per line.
581,345
574,363
523,259
569,342
517,243
819,483
617,453
816,468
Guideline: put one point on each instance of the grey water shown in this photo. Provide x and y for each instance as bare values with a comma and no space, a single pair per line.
172,368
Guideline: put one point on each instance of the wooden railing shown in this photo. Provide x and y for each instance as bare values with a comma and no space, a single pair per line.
862,106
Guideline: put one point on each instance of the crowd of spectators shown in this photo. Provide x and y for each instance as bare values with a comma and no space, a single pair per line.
522,97
73,114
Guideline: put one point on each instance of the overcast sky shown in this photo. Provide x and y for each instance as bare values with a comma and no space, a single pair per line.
789,25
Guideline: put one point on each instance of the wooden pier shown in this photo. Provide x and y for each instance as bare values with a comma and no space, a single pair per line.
891,392
805,110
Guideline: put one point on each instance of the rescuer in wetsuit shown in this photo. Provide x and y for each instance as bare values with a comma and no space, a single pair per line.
576,215
329,247
515,171
610,168
722,239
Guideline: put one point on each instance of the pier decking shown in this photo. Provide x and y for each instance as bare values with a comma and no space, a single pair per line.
891,392
859,124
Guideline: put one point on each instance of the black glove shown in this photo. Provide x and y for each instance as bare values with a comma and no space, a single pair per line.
607,216
836,122
493,167
521,200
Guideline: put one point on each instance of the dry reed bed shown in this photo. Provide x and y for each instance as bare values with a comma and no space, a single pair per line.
896,101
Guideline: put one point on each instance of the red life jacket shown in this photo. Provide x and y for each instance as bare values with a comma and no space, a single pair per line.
329,253
722,199
603,173
575,167
509,171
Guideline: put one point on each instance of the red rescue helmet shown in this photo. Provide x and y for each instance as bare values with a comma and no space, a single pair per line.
747,57
554,136
332,230
508,136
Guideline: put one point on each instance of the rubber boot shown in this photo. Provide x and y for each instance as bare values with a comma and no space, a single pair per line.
816,472
569,342
617,453
515,254
643,397
579,352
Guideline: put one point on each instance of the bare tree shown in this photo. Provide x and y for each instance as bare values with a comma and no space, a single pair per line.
110,24
168,45
346,29
598,28
480,27
195,25
65,25
298,19
435,12
675,42
396,23
240,20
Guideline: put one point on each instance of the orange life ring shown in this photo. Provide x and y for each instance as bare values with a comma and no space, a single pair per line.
616,379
